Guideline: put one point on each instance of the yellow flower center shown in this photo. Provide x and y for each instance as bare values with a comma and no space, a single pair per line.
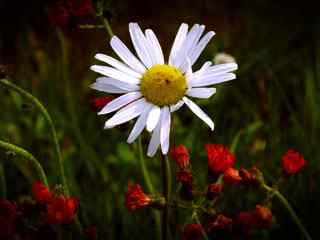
163,85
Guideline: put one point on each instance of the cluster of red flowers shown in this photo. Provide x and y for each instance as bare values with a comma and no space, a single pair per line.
61,12
136,198
8,217
59,209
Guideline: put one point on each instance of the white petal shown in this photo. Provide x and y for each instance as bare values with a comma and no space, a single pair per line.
124,53
156,48
114,73
153,118
198,73
118,84
107,88
201,92
165,129
117,64
223,68
178,41
140,44
127,113
211,79
176,106
120,102
197,111
197,50
139,125
154,141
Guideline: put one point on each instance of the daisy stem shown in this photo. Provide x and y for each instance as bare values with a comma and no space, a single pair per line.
148,182
107,26
287,205
166,177
47,117
28,156
3,184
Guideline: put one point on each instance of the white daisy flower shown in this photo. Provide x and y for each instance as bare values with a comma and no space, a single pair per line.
153,88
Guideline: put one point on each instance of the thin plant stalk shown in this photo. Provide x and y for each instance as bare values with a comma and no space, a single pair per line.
3,184
47,117
166,178
28,156
292,213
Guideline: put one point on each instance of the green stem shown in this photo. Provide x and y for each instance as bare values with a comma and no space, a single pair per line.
3,184
166,177
32,160
107,26
47,117
292,213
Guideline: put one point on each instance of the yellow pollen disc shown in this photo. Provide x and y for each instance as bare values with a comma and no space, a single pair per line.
163,85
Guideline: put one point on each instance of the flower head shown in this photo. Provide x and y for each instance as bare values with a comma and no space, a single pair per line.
61,210
219,158
8,216
231,175
263,216
192,231
136,198
181,156
152,88
223,58
41,193
292,162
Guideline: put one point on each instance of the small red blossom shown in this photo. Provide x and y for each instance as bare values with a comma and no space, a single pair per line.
292,161
136,198
181,156
61,210
263,216
80,8
219,158
58,14
41,193
252,176
221,222
192,231
185,177
98,103
8,216
90,233
214,190
231,175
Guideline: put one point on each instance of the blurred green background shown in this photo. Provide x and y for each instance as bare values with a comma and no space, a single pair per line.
273,105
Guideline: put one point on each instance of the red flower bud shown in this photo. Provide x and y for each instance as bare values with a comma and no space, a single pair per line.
214,190
263,216
180,155
61,210
221,222
219,158
136,198
292,162
185,177
41,193
192,232
98,103
8,216
231,175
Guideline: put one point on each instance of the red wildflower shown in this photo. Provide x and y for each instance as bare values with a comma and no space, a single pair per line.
252,176
98,103
80,8
219,158
192,232
136,198
90,233
8,216
263,216
61,210
58,14
221,222
180,155
231,175
292,162
214,190
185,177
41,193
